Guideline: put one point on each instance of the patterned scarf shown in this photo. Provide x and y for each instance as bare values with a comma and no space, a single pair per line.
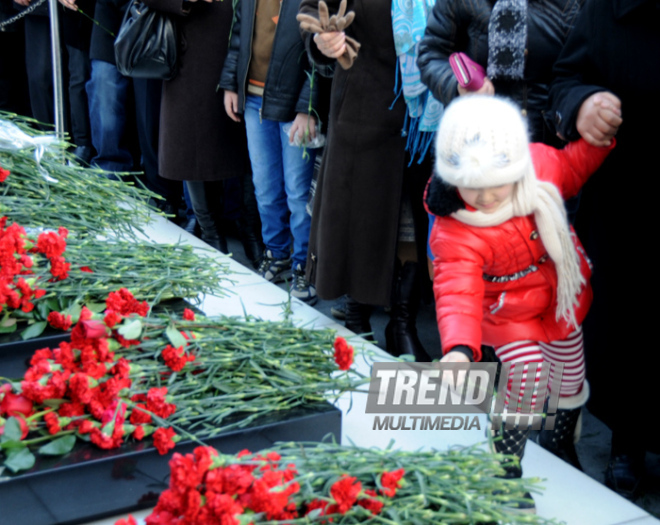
424,111
507,40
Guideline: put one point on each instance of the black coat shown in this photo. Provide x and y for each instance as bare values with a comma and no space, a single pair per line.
198,141
459,25
615,46
353,240
288,88
108,14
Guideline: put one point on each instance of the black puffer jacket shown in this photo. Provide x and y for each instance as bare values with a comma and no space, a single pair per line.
288,82
462,25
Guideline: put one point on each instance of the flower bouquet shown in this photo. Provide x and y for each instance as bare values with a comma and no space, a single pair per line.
41,184
306,483
36,279
125,376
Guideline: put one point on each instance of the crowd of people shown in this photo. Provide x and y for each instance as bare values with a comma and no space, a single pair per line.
491,166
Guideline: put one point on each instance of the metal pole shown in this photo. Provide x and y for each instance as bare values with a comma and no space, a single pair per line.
58,94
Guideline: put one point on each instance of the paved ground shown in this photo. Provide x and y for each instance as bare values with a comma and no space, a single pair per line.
593,448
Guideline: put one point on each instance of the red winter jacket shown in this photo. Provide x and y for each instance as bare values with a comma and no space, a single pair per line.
471,308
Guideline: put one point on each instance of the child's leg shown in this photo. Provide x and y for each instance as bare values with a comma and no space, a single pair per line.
512,440
570,352
298,171
265,150
573,394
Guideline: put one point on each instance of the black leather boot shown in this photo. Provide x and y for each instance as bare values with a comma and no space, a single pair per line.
512,441
561,439
357,318
401,333
251,240
206,207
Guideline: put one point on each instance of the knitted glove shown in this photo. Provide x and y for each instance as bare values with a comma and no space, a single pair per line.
326,23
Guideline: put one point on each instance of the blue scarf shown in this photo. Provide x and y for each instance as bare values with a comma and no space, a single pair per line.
424,111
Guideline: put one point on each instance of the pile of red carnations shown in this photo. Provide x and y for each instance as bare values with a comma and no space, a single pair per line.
327,483
124,376
37,282
26,265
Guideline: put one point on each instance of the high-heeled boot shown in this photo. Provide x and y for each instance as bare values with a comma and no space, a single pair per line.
357,318
561,439
201,195
401,331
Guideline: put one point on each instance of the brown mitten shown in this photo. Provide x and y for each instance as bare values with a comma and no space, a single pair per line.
338,22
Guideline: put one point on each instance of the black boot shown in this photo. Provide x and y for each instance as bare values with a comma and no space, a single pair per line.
205,205
251,241
512,441
561,439
357,318
401,333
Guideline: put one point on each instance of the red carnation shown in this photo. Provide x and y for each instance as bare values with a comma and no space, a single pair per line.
51,244
4,174
188,314
163,439
343,354
59,321
156,403
176,358
111,319
390,481
123,302
371,504
129,521
52,422
86,269
345,493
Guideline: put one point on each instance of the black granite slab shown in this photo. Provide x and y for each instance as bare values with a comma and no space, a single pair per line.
89,483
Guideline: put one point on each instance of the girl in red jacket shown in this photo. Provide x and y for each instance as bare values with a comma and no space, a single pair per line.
509,270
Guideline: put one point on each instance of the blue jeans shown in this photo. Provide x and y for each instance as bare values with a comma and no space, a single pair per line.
281,181
107,91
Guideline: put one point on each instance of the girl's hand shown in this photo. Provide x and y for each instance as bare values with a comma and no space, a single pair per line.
486,89
332,44
455,357
305,125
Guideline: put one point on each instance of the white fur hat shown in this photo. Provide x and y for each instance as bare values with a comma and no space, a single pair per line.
482,142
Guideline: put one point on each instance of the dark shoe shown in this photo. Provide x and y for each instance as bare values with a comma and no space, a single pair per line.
218,242
274,270
301,288
206,213
338,310
401,333
624,475
190,225
357,318
84,154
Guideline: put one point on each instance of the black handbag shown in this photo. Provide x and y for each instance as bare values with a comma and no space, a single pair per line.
146,45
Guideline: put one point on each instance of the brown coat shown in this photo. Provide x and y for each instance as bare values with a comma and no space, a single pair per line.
352,246
198,141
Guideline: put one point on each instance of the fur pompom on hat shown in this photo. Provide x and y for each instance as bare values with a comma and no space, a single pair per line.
482,142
